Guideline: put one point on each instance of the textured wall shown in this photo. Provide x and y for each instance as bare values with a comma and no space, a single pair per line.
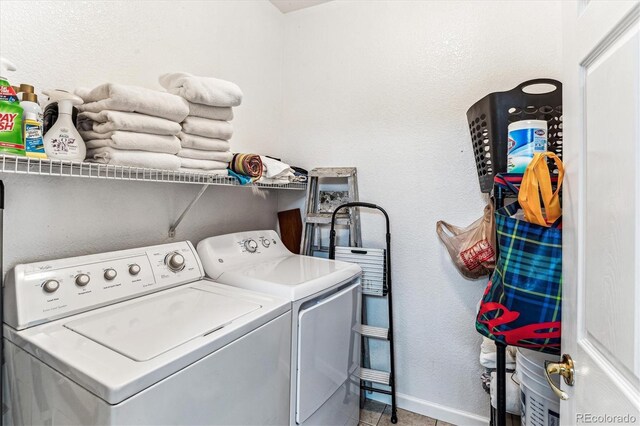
77,44
385,86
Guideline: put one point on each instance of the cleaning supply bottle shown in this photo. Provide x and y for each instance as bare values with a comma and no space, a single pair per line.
62,141
11,141
32,118
24,88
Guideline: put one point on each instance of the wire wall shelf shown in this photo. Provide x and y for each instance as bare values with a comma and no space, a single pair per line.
43,167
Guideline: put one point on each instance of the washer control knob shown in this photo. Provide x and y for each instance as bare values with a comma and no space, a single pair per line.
134,269
82,279
50,286
110,274
251,246
174,261
266,243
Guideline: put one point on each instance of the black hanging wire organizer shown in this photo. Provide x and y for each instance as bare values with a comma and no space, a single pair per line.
376,332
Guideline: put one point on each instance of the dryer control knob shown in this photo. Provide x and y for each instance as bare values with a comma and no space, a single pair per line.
174,261
266,243
251,246
134,269
82,279
50,286
110,274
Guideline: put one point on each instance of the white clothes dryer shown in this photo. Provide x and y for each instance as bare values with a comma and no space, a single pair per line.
136,337
325,300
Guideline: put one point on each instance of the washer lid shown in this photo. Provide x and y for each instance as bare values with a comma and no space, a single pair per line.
294,277
145,329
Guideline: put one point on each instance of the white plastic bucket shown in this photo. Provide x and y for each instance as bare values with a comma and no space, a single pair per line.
535,360
539,405
537,410
535,382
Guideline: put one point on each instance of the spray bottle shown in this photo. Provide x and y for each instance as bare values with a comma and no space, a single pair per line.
62,141
11,141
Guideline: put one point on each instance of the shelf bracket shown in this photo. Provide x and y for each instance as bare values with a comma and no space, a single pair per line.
172,228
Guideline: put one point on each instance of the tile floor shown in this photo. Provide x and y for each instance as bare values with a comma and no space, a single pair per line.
377,413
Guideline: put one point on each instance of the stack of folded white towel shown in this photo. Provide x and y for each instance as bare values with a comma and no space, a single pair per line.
131,126
204,137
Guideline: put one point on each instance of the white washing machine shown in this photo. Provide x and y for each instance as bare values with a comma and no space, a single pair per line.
325,306
136,337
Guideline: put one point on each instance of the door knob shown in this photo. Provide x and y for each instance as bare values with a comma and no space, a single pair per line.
563,368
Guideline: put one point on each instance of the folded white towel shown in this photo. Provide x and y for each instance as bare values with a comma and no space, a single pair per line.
488,360
202,90
200,142
133,99
142,159
205,155
269,181
488,354
219,172
211,112
192,163
208,128
274,169
107,121
133,141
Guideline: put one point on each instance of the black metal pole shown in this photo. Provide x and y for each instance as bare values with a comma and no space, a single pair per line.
501,349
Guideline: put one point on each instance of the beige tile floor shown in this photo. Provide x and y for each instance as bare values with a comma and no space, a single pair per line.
377,413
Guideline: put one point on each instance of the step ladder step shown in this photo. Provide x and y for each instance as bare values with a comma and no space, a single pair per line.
374,332
376,376
341,172
325,218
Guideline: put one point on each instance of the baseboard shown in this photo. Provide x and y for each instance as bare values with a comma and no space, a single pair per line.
440,412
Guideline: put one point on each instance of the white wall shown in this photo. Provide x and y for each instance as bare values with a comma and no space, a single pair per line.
67,45
385,86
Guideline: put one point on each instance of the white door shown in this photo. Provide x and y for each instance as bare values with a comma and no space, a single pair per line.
601,304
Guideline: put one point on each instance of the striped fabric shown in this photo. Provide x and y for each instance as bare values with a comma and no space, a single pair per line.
247,164
521,305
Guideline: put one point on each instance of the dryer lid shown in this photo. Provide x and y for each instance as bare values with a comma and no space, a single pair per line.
143,330
294,277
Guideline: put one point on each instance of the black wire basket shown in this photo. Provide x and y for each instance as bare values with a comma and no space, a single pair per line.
489,118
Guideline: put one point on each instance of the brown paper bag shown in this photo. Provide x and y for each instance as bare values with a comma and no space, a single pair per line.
472,249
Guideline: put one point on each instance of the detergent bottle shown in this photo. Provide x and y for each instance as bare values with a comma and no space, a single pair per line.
62,141
11,112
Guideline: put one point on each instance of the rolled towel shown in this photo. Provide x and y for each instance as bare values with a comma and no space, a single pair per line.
142,159
202,143
107,121
211,112
192,163
202,90
205,155
134,141
208,128
247,164
219,172
119,97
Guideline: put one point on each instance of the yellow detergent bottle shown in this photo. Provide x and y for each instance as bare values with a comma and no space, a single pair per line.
11,141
